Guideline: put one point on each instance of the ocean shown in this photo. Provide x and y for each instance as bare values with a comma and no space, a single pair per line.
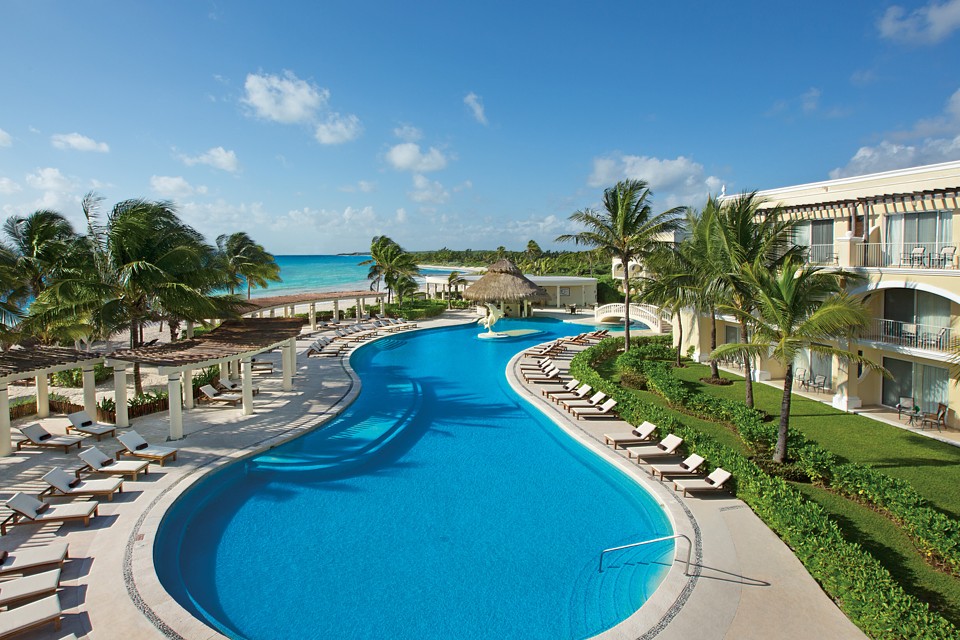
303,274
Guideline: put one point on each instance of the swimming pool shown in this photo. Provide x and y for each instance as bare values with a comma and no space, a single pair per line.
438,505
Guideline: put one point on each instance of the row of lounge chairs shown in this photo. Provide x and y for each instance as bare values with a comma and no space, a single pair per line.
30,600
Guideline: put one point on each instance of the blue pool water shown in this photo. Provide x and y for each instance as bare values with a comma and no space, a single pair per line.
438,505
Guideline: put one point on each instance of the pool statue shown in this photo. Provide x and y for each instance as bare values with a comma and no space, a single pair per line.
493,315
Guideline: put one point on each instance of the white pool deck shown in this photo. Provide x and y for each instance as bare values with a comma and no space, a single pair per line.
745,582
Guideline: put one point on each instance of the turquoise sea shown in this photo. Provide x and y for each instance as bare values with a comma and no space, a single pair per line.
321,273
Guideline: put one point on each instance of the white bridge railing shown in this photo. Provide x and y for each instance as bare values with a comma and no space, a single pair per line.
652,316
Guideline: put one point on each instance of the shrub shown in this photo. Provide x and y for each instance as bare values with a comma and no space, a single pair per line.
74,377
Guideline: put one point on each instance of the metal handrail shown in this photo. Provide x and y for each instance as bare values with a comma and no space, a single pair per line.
686,571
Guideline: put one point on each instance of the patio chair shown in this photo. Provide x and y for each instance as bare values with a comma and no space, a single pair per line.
819,382
799,377
28,510
603,411
31,616
945,257
906,405
29,587
99,462
82,422
40,437
636,436
666,447
713,482
938,419
914,258
62,482
135,445
687,467
24,560
212,395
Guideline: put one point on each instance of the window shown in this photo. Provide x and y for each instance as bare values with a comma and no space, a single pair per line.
926,384
817,236
905,231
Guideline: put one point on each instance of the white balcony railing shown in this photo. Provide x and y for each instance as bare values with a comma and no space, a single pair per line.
910,334
821,254
915,255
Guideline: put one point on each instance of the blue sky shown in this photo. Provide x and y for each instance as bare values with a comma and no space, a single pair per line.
317,125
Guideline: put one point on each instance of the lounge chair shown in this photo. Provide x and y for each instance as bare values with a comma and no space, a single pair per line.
687,467
550,375
99,462
29,587
212,395
666,447
31,616
135,445
27,559
580,393
28,510
82,422
566,387
636,436
605,410
261,366
540,365
713,482
592,401
62,482
234,386
40,437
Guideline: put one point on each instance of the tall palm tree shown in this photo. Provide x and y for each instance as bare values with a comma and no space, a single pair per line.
42,243
389,263
743,236
11,283
709,270
797,307
671,281
244,260
454,280
627,229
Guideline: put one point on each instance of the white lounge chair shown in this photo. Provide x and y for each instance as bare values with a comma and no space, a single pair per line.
62,482
26,559
212,395
540,365
82,422
689,466
574,403
605,410
232,386
28,510
99,462
29,587
580,393
566,387
713,482
32,615
666,447
636,436
549,375
134,445
40,437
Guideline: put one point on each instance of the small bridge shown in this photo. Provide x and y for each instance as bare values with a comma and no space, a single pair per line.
654,317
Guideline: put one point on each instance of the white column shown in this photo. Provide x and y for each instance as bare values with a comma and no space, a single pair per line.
43,396
5,448
89,392
273,312
188,389
247,386
120,395
289,363
313,316
189,329
336,311
559,306
359,303
383,308
176,408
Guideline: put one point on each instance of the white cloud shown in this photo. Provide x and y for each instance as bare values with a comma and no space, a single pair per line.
425,191
363,186
337,129
78,142
58,189
5,139
475,103
286,99
408,133
49,179
174,187
401,215
927,25
407,156
810,99
677,182
216,157
8,186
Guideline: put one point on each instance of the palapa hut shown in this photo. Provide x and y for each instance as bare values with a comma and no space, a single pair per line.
504,285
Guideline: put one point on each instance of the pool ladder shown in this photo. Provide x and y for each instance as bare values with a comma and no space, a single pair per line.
686,571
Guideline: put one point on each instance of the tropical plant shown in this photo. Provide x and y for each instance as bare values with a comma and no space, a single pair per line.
11,283
245,261
454,281
42,243
389,264
670,281
627,229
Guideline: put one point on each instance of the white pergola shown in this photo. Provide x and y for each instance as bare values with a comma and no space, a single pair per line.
232,346
23,363
268,306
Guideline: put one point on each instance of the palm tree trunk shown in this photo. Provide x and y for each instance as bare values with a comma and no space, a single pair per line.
780,453
626,307
136,341
747,379
714,366
248,289
679,336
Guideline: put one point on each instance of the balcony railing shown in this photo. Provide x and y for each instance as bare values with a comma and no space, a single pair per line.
910,334
821,254
915,255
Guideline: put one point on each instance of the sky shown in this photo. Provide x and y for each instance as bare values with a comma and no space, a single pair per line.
314,126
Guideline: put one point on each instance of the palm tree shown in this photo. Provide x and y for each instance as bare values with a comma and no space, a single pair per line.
11,282
742,237
626,229
709,271
42,242
389,263
243,260
797,307
671,281
533,250
454,280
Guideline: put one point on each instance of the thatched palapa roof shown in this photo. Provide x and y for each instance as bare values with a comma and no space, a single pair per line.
503,282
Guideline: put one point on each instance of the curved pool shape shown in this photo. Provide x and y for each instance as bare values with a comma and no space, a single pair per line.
438,505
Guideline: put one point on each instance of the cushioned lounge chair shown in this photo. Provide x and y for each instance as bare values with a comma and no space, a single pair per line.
687,467
550,375
83,423
566,387
63,483
666,447
26,559
99,462
636,436
134,445
581,392
232,386
28,510
540,365
32,615
29,587
212,395
576,403
713,482
40,437
604,410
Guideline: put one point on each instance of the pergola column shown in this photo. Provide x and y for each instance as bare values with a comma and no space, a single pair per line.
247,387
273,312
289,363
383,308
120,394
176,407
188,389
336,311
5,448
43,396
359,303
189,329
89,391
559,306
313,316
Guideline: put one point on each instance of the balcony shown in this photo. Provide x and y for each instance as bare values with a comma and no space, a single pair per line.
926,337
912,255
